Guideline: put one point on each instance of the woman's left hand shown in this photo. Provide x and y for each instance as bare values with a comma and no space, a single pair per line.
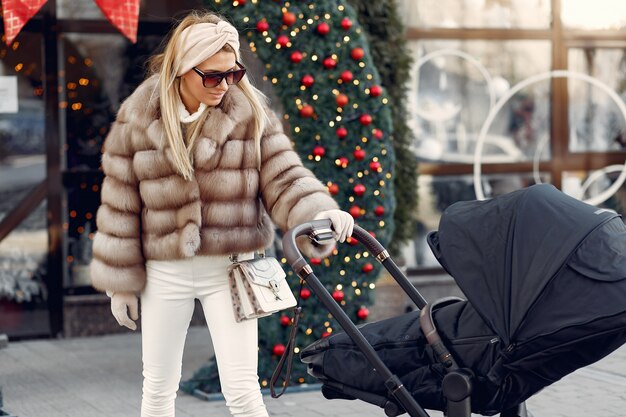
343,223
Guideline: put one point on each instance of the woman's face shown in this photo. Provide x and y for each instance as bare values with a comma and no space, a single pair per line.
192,91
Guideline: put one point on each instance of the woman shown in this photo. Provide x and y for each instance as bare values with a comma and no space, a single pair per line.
193,164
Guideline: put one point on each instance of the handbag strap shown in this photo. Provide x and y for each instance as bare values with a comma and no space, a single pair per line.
287,355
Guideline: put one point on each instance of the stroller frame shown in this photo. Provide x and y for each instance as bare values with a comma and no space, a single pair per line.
457,383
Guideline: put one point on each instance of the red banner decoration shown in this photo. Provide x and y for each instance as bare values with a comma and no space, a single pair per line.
16,14
124,14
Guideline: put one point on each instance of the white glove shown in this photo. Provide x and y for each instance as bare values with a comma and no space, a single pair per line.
343,223
121,304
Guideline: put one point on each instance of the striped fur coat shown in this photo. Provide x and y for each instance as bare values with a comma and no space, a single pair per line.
148,211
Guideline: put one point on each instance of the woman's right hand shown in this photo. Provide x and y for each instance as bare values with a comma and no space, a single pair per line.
121,304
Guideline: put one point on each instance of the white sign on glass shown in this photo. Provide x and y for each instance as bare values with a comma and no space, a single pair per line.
8,94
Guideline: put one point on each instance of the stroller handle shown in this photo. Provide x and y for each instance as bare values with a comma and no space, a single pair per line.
290,249
305,272
315,227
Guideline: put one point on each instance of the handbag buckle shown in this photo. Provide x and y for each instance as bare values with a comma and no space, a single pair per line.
275,286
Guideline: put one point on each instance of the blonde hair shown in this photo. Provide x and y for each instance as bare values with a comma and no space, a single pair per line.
168,85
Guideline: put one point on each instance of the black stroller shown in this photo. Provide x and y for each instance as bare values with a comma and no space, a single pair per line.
545,279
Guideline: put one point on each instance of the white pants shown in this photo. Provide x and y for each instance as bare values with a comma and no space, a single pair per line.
167,304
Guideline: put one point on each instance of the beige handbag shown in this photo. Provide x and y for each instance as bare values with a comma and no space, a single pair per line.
258,287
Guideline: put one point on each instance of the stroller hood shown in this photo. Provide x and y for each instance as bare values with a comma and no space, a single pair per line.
505,251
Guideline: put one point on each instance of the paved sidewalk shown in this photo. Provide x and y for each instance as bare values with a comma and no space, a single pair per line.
101,377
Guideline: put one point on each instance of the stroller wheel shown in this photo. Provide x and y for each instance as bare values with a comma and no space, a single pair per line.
392,409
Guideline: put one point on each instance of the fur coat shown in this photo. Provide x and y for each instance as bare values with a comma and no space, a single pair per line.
149,212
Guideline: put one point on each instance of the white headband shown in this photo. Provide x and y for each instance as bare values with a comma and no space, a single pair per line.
201,41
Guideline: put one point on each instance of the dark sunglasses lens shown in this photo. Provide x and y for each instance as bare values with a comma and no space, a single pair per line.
211,80
236,76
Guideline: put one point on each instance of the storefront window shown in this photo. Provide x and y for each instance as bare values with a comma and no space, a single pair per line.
518,14
23,252
455,84
597,124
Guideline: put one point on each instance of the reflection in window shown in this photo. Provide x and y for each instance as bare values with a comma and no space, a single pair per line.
22,133
451,94
593,15
437,193
476,13
100,72
91,77
596,123
23,253
23,266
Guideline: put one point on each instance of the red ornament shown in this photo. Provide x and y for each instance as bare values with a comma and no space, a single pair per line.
342,162
359,189
329,63
346,23
342,100
323,28
338,295
307,80
282,40
285,321
355,211
306,111
362,313
315,261
365,119
359,154
278,349
239,2
305,293
262,25
296,57
289,18
368,267
319,151
333,189
378,134
357,53
375,90
346,76
375,166
342,132
352,241
379,210
325,334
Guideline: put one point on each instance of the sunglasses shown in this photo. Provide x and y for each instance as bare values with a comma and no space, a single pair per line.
213,79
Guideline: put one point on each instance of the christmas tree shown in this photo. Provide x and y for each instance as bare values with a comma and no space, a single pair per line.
317,57
383,27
